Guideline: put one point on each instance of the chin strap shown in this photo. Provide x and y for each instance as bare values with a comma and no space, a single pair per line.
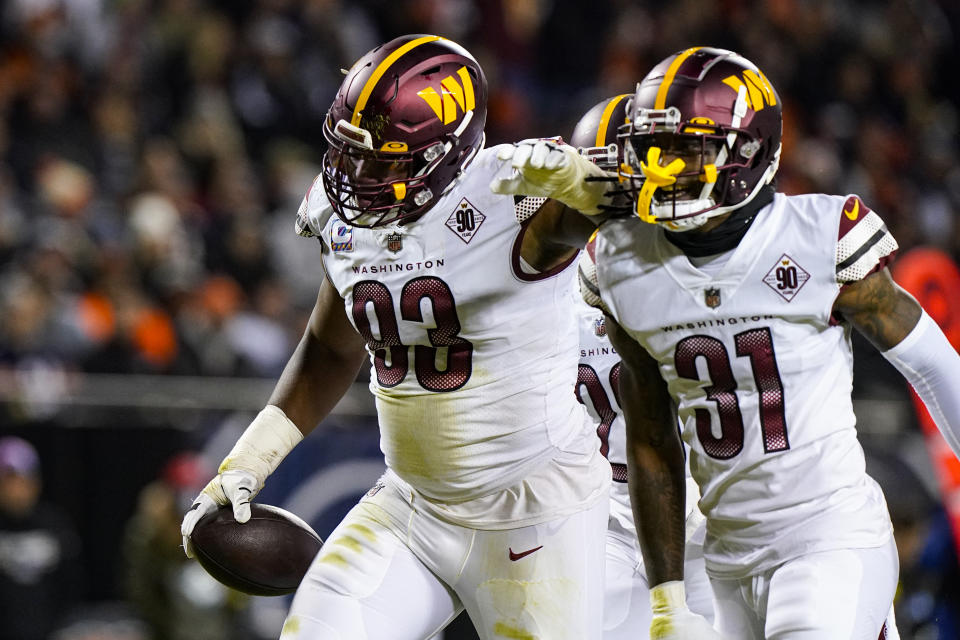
656,176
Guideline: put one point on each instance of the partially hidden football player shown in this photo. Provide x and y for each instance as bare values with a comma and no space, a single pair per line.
627,611
733,305
495,498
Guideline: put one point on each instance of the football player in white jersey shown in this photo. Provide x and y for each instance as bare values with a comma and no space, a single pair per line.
733,306
495,498
627,612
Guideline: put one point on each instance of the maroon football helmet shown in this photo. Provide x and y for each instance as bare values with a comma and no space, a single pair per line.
720,120
407,119
595,135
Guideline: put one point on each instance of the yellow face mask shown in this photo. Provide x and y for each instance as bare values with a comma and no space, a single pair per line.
656,176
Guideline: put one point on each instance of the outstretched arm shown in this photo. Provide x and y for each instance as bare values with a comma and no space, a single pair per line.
549,168
578,195
555,233
895,323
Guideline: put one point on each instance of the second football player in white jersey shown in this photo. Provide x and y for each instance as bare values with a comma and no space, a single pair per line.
627,613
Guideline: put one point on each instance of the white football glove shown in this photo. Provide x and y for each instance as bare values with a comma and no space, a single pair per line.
554,170
672,620
257,454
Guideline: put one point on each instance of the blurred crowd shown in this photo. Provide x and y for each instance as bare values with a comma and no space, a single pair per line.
153,153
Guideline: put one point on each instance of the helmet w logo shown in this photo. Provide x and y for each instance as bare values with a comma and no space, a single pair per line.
453,94
759,90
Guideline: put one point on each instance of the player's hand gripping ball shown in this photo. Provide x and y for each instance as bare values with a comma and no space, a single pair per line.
266,556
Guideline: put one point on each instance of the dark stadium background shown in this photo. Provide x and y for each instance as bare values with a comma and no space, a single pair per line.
153,154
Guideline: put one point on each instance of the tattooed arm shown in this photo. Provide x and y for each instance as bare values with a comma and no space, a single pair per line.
879,309
655,468
909,338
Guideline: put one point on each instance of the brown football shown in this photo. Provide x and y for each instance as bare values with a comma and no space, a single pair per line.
266,556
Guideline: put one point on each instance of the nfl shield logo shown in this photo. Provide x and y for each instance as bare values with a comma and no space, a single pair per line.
394,242
599,327
712,297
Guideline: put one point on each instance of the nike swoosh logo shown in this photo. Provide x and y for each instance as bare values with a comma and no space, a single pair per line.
852,214
516,556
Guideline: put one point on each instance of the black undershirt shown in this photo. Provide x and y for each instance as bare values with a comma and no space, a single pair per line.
727,234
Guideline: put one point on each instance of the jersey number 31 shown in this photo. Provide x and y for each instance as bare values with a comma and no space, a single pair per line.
757,345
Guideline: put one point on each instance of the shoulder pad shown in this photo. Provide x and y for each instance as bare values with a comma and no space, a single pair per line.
864,244
587,274
314,212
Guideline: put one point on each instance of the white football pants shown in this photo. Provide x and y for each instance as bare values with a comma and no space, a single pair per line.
831,595
391,571
627,614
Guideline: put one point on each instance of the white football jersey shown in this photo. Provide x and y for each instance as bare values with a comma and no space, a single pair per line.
598,389
472,359
760,370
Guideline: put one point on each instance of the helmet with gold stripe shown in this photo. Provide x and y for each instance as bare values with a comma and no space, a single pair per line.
595,137
595,134
702,137
408,117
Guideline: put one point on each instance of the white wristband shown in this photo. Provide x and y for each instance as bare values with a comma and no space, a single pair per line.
264,444
668,596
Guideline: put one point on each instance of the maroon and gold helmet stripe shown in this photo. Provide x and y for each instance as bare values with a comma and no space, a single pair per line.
380,70
605,118
668,77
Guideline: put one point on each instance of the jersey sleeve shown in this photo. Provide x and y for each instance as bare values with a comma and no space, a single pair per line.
864,244
314,212
525,206
587,275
